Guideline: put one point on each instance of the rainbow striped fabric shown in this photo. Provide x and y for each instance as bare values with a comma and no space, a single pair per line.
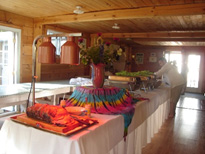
106,100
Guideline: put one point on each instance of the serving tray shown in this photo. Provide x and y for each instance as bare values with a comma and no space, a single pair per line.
23,119
122,78
129,78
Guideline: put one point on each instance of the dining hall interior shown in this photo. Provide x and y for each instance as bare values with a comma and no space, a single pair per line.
142,31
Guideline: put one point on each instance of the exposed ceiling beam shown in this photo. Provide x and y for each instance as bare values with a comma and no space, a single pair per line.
188,34
173,10
169,39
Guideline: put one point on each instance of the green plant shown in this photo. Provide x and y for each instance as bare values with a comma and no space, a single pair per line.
102,53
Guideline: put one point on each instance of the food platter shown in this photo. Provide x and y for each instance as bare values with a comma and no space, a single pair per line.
132,82
66,131
130,78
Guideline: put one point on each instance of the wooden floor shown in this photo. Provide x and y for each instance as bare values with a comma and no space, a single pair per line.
183,134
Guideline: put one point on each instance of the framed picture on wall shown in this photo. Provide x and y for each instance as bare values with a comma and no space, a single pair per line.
139,58
153,58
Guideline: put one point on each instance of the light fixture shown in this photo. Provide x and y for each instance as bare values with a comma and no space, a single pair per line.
70,52
46,52
115,26
78,10
49,50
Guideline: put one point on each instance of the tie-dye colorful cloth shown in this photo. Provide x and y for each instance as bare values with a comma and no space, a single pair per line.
106,100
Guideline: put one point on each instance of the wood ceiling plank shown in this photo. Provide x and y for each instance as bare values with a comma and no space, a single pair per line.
171,43
148,2
166,23
189,1
199,1
182,22
139,26
14,19
188,22
160,2
170,39
154,35
134,26
176,24
174,2
39,8
175,10
197,21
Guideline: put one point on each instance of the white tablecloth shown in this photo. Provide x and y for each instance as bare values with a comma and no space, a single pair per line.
103,138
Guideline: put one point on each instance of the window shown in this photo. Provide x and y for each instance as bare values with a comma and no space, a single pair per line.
8,110
193,71
9,55
9,61
176,57
57,41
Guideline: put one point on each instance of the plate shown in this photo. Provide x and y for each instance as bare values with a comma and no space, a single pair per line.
75,110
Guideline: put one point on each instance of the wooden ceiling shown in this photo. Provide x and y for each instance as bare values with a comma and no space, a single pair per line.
145,22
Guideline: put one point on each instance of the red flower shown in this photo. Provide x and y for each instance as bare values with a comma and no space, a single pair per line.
116,39
99,34
80,40
108,43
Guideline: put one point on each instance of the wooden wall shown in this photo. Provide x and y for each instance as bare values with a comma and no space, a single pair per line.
26,26
61,72
147,51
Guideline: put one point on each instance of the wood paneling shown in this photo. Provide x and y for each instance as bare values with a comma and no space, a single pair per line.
155,24
146,50
26,50
14,19
131,13
142,16
60,72
154,35
39,8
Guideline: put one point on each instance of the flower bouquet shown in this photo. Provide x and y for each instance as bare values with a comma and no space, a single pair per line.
98,56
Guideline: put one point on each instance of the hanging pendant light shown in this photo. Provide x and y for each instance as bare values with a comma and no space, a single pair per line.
70,52
46,51
78,10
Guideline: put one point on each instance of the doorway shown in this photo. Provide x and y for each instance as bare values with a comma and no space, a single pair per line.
190,66
9,55
194,73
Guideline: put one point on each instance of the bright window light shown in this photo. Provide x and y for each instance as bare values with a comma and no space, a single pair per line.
193,71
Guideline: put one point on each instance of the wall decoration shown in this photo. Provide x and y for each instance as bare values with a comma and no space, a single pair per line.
153,58
153,54
139,58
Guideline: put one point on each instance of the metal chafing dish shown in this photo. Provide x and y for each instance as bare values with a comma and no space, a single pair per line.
133,83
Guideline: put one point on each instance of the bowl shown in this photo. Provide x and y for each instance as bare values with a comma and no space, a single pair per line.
75,110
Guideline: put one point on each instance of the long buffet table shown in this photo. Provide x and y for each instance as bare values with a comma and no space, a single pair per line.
106,137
